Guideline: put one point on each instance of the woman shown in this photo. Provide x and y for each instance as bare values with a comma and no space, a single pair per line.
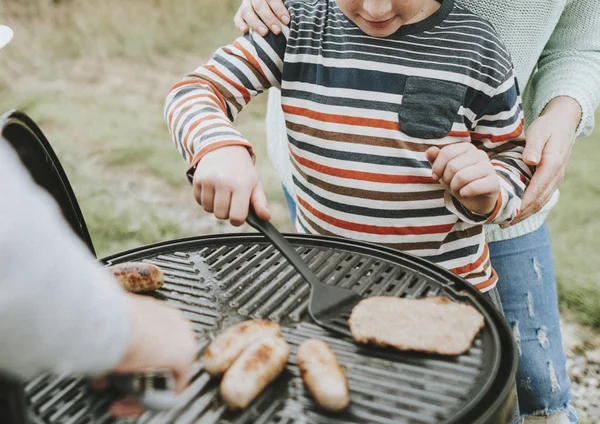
60,311
556,51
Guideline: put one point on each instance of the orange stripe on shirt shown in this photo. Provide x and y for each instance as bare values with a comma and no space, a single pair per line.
502,137
340,119
496,210
218,145
472,266
239,87
360,175
488,283
187,99
375,229
459,134
193,126
204,84
250,58
355,121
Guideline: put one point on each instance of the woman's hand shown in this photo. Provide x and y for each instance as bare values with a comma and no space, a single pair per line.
261,16
550,140
160,339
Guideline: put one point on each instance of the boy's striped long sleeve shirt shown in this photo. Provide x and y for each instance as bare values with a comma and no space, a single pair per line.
360,114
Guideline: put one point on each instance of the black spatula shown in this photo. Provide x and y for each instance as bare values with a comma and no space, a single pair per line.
329,306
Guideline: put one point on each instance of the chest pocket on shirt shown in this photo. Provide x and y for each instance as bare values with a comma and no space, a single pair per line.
429,107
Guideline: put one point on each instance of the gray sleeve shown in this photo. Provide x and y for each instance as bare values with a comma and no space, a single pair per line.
59,311
570,64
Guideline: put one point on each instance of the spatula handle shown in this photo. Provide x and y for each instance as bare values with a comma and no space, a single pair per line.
284,246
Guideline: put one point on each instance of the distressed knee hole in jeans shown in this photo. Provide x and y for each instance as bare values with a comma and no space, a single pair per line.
530,305
537,268
517,336
542,336
526,384
553,378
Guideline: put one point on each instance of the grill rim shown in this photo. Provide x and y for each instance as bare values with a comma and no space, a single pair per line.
494,401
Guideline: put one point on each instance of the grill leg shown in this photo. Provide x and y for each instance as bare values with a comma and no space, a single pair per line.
12,403
515,416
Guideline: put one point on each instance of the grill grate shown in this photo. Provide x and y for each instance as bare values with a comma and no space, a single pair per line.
217,284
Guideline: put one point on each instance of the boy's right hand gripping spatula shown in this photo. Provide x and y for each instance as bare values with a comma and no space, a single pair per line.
329,306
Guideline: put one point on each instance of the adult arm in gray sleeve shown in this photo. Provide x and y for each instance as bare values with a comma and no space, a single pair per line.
570,63
59,311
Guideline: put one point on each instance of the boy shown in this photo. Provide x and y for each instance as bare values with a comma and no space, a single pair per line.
404,122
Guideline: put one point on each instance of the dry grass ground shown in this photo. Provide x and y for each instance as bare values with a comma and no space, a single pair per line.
94,76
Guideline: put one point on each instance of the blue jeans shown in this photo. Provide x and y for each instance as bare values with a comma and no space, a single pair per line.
527,289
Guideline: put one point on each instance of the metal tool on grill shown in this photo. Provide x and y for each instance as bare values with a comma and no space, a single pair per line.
329,306
155,390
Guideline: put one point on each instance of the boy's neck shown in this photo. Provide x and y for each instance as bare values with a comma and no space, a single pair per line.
428,9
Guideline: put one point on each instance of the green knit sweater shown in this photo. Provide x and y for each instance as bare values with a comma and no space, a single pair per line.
555,46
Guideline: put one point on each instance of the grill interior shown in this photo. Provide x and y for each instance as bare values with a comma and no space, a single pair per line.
220,281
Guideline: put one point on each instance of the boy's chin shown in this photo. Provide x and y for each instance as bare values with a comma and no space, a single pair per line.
379,32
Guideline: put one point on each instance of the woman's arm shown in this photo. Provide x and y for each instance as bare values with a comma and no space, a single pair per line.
550,140
565,93
570,63
62,313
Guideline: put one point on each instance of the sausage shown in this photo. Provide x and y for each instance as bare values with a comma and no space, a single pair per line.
224,350
256,367
137,277
323,375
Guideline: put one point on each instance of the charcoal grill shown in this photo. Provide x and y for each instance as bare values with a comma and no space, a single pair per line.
218,281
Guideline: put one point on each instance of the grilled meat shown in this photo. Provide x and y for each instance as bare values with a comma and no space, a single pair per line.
138,277
255,368
323,375
224,350
432,325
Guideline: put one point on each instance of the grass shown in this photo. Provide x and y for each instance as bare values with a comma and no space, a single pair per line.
575,226
97,86
94,76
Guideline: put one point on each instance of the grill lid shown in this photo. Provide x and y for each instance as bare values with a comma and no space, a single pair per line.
218,281
39,158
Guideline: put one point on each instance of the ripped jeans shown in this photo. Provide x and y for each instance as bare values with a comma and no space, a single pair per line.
527,289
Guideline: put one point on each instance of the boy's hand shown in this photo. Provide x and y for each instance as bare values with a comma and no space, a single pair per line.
226,183
467,173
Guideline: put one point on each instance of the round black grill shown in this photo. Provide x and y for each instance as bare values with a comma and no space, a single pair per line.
220,280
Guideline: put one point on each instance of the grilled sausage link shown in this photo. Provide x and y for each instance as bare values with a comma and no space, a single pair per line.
221,353
323,375
137,277
256,367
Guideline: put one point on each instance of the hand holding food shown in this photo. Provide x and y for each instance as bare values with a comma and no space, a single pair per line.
160,339
323,375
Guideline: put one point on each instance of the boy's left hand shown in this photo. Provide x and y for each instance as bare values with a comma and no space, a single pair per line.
467,173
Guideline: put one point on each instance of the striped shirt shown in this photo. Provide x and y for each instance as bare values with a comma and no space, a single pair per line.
360,113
